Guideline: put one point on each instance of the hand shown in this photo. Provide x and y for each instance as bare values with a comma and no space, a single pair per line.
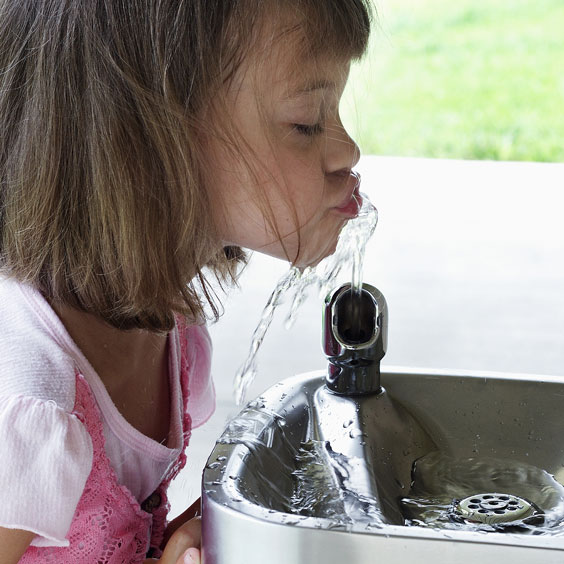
183,545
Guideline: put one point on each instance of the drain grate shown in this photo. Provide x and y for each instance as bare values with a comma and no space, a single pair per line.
493,508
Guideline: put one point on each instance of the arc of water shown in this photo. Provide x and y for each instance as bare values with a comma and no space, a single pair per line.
348,255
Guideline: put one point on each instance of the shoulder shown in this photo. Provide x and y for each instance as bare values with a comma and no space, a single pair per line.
47,456
195,345
196,352
199,336
32,361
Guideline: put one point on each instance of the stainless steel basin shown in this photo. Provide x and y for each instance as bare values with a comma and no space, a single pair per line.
372,446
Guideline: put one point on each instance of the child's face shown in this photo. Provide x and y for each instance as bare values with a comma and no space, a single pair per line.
287,115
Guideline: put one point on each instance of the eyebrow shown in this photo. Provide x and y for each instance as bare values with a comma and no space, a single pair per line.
312,87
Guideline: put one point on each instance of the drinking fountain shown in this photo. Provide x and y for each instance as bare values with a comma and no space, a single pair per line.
354,415
360,461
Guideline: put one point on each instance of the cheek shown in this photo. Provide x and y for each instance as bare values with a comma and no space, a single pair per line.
303,182
241,200
288,180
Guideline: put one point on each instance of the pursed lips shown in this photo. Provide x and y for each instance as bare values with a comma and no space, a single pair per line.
350,205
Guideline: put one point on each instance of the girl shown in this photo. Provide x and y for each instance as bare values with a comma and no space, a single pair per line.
142,144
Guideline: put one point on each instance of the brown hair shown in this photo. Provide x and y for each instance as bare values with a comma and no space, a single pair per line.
103,200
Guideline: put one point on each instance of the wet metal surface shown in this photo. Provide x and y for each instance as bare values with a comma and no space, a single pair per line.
250,480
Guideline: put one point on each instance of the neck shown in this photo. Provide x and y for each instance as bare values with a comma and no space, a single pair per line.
116,355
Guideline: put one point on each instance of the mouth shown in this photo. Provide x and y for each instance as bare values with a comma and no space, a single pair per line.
350,206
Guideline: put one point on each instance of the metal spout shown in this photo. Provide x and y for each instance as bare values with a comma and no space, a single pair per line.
355,338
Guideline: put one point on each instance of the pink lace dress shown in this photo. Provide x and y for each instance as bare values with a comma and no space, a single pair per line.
109,525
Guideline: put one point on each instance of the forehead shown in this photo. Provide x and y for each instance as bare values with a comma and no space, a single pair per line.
281,66
297,41
284,68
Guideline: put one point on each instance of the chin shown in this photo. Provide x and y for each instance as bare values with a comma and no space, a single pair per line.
318,257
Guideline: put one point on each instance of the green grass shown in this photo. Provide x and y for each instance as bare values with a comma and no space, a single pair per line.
470,79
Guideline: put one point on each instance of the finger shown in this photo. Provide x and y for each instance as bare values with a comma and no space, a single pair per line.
185,537
193,511
191,556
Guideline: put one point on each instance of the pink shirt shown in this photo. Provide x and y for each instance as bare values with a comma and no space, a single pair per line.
46,451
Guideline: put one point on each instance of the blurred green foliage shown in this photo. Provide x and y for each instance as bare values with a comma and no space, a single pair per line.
469,79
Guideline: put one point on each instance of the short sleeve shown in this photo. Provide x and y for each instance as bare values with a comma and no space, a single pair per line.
201,401
46,456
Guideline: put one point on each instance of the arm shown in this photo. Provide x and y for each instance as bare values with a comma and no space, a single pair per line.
13,543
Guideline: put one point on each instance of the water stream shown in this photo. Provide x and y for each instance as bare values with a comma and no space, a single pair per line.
324,488
349,255
247,372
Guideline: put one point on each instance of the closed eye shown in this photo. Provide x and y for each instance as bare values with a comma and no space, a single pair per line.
308,130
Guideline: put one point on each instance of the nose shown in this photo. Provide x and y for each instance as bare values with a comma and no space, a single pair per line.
342,153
